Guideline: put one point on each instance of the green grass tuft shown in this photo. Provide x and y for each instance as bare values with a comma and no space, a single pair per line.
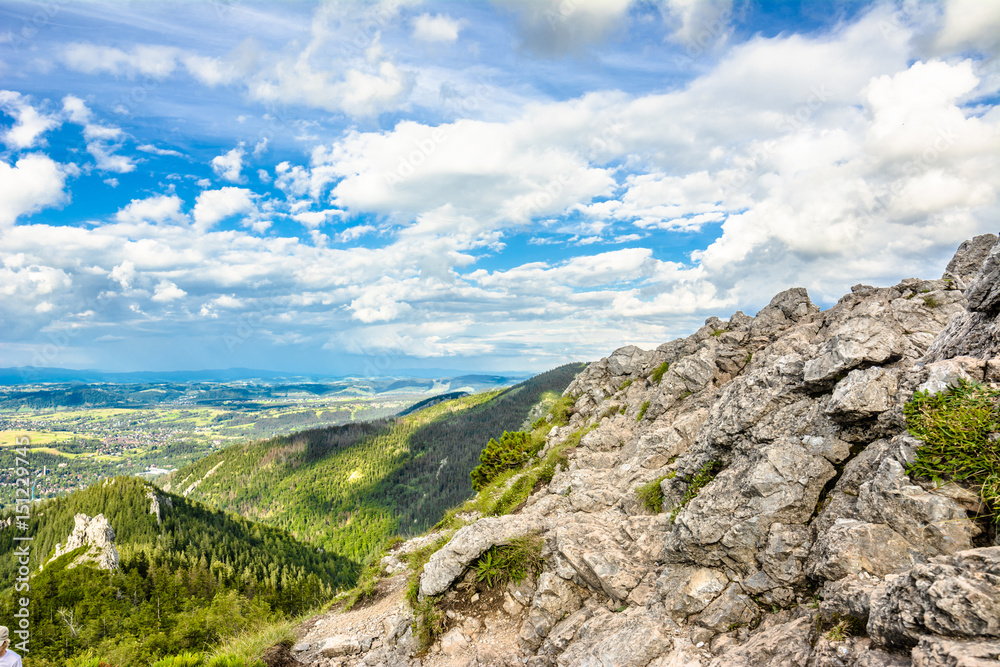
625,385
700,480
651,495
657,375
642,411
510,562
956,426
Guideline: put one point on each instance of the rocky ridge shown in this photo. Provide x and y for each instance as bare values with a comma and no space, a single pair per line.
97,535
790,532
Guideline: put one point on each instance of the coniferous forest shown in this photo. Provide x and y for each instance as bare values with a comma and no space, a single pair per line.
253,533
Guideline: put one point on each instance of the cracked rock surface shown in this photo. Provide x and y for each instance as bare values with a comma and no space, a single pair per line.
803,518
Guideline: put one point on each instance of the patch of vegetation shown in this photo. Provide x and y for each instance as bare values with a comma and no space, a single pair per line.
657,375
685,395
510,562
844,627
957,426
561,410
651,495
718,332
699,481
511,451
931,302
609,412
625,385
642,411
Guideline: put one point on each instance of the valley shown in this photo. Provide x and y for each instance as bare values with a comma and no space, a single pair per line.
82,433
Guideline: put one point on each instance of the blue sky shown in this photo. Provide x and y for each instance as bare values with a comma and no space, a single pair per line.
368,187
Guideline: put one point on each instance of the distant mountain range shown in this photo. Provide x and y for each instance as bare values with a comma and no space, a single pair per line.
36,375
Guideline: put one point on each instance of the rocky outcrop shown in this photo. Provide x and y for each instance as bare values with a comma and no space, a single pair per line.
98,536
790,531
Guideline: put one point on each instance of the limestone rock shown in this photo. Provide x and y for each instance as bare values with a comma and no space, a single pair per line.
968,259
554,599
983,291
339,645
787,644
470,542
861,339
628,639
951,596
863,394
687,590
938,652
96,534
933,522
851,547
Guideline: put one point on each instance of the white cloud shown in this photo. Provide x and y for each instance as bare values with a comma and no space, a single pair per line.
166,292
437,28
209,71
157,62
699,24
154,150
379,303
559,27
155,209
29,123
229,165
123,274
34,182
103,141
314,219
970,23
213,206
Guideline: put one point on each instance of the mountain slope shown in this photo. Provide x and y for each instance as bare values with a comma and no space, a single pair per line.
758,493
348,488
188,574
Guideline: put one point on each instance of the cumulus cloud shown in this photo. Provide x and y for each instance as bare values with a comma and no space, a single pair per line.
29,124
166,292
213,206
123,274
970,23
34,182
871,170
437,28
229,165
159,208
103,141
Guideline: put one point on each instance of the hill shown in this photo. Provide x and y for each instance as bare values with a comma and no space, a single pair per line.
349,488
188,575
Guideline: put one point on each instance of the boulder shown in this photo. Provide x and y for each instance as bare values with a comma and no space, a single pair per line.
954,596
968,260
470,542
939,652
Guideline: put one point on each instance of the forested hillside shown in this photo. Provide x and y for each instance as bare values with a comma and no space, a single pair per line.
184,581
348,488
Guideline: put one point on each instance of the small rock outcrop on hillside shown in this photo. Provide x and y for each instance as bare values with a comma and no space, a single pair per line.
790,531
98,536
